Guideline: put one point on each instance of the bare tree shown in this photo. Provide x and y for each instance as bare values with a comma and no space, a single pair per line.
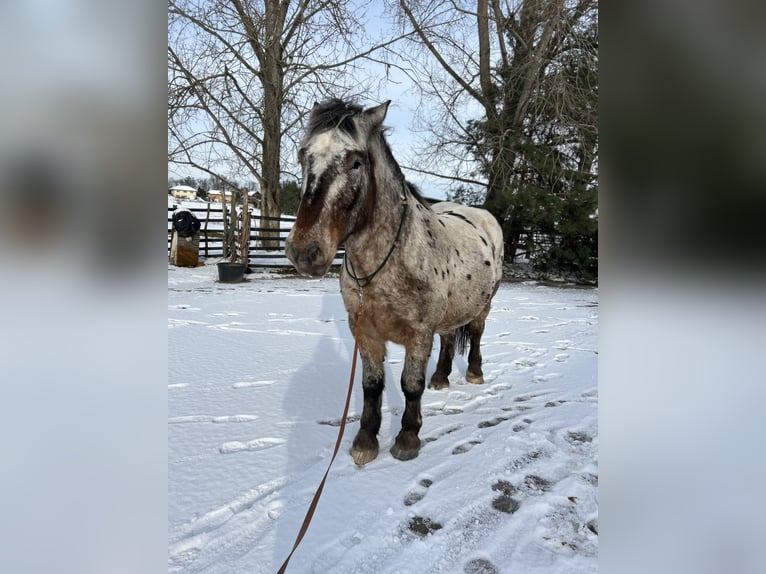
241,76
496,76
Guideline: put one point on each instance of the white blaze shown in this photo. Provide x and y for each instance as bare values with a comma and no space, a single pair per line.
324,149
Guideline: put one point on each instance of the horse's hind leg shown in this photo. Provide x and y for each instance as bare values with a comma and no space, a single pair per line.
473,373
440,378
365,445
407,444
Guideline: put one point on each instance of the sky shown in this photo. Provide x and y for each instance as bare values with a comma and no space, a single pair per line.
403,136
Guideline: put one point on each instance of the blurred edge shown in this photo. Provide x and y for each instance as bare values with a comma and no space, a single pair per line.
683,126
82,163
682,260
82,171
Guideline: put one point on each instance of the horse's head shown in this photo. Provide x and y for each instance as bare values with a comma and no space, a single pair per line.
338,187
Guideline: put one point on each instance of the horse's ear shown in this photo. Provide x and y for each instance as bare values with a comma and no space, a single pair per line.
313,112
378,113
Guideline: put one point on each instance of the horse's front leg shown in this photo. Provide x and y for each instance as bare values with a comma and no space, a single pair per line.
407,444
365,445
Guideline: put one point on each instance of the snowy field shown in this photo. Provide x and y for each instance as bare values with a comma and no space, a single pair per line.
506,481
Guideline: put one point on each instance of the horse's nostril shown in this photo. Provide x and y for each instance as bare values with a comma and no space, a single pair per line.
312,253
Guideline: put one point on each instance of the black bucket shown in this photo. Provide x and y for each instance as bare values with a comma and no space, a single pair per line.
230,272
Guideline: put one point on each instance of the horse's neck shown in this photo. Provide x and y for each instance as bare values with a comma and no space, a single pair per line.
370,245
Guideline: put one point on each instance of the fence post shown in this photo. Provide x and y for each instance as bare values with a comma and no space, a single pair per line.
207,237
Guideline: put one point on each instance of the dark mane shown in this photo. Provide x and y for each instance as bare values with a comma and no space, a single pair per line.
413,189
332,114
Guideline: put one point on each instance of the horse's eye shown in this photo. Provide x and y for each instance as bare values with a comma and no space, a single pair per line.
357,165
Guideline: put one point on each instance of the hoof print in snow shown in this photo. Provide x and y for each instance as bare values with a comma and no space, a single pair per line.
505,504
423,526
449,430
417,494
576,438
554,404
480,566
593,527
518,427
504,486
492,422
413,497
517,408
536,483
465,447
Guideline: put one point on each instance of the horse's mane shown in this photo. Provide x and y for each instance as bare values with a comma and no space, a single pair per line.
337,114
334,113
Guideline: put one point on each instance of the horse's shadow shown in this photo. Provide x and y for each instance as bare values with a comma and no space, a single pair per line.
329,367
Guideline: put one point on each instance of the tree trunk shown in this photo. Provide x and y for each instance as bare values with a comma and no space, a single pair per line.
273,85
271,169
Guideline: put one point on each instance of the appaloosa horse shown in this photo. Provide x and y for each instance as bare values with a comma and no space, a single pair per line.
419,270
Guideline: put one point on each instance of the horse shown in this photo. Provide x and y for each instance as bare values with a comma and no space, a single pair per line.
416,270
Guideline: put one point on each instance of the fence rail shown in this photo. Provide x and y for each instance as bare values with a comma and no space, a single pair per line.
211,237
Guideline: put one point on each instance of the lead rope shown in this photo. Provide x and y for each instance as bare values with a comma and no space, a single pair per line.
315,500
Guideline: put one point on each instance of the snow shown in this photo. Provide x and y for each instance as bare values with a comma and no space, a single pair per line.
506,480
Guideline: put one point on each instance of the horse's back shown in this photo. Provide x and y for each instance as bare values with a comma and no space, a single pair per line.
471,224
473,242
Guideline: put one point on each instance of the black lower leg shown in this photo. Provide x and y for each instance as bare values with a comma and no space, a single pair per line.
365,445
440,378
407,444
474,374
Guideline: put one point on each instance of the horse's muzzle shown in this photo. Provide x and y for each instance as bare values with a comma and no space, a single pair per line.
310,260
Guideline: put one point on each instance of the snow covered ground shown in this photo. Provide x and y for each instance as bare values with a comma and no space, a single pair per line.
507,479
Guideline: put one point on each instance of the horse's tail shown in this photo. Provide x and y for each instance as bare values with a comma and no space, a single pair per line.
462,336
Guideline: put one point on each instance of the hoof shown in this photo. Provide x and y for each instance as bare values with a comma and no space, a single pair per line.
438,383
475,379
362,457
406,446
364,449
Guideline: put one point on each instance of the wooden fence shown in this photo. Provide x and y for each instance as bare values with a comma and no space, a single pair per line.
211,237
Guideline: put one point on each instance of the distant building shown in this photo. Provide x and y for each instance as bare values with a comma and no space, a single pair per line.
215,195
254,198
183,192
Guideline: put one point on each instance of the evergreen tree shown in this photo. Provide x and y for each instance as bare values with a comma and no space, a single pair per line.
290,196
542,173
